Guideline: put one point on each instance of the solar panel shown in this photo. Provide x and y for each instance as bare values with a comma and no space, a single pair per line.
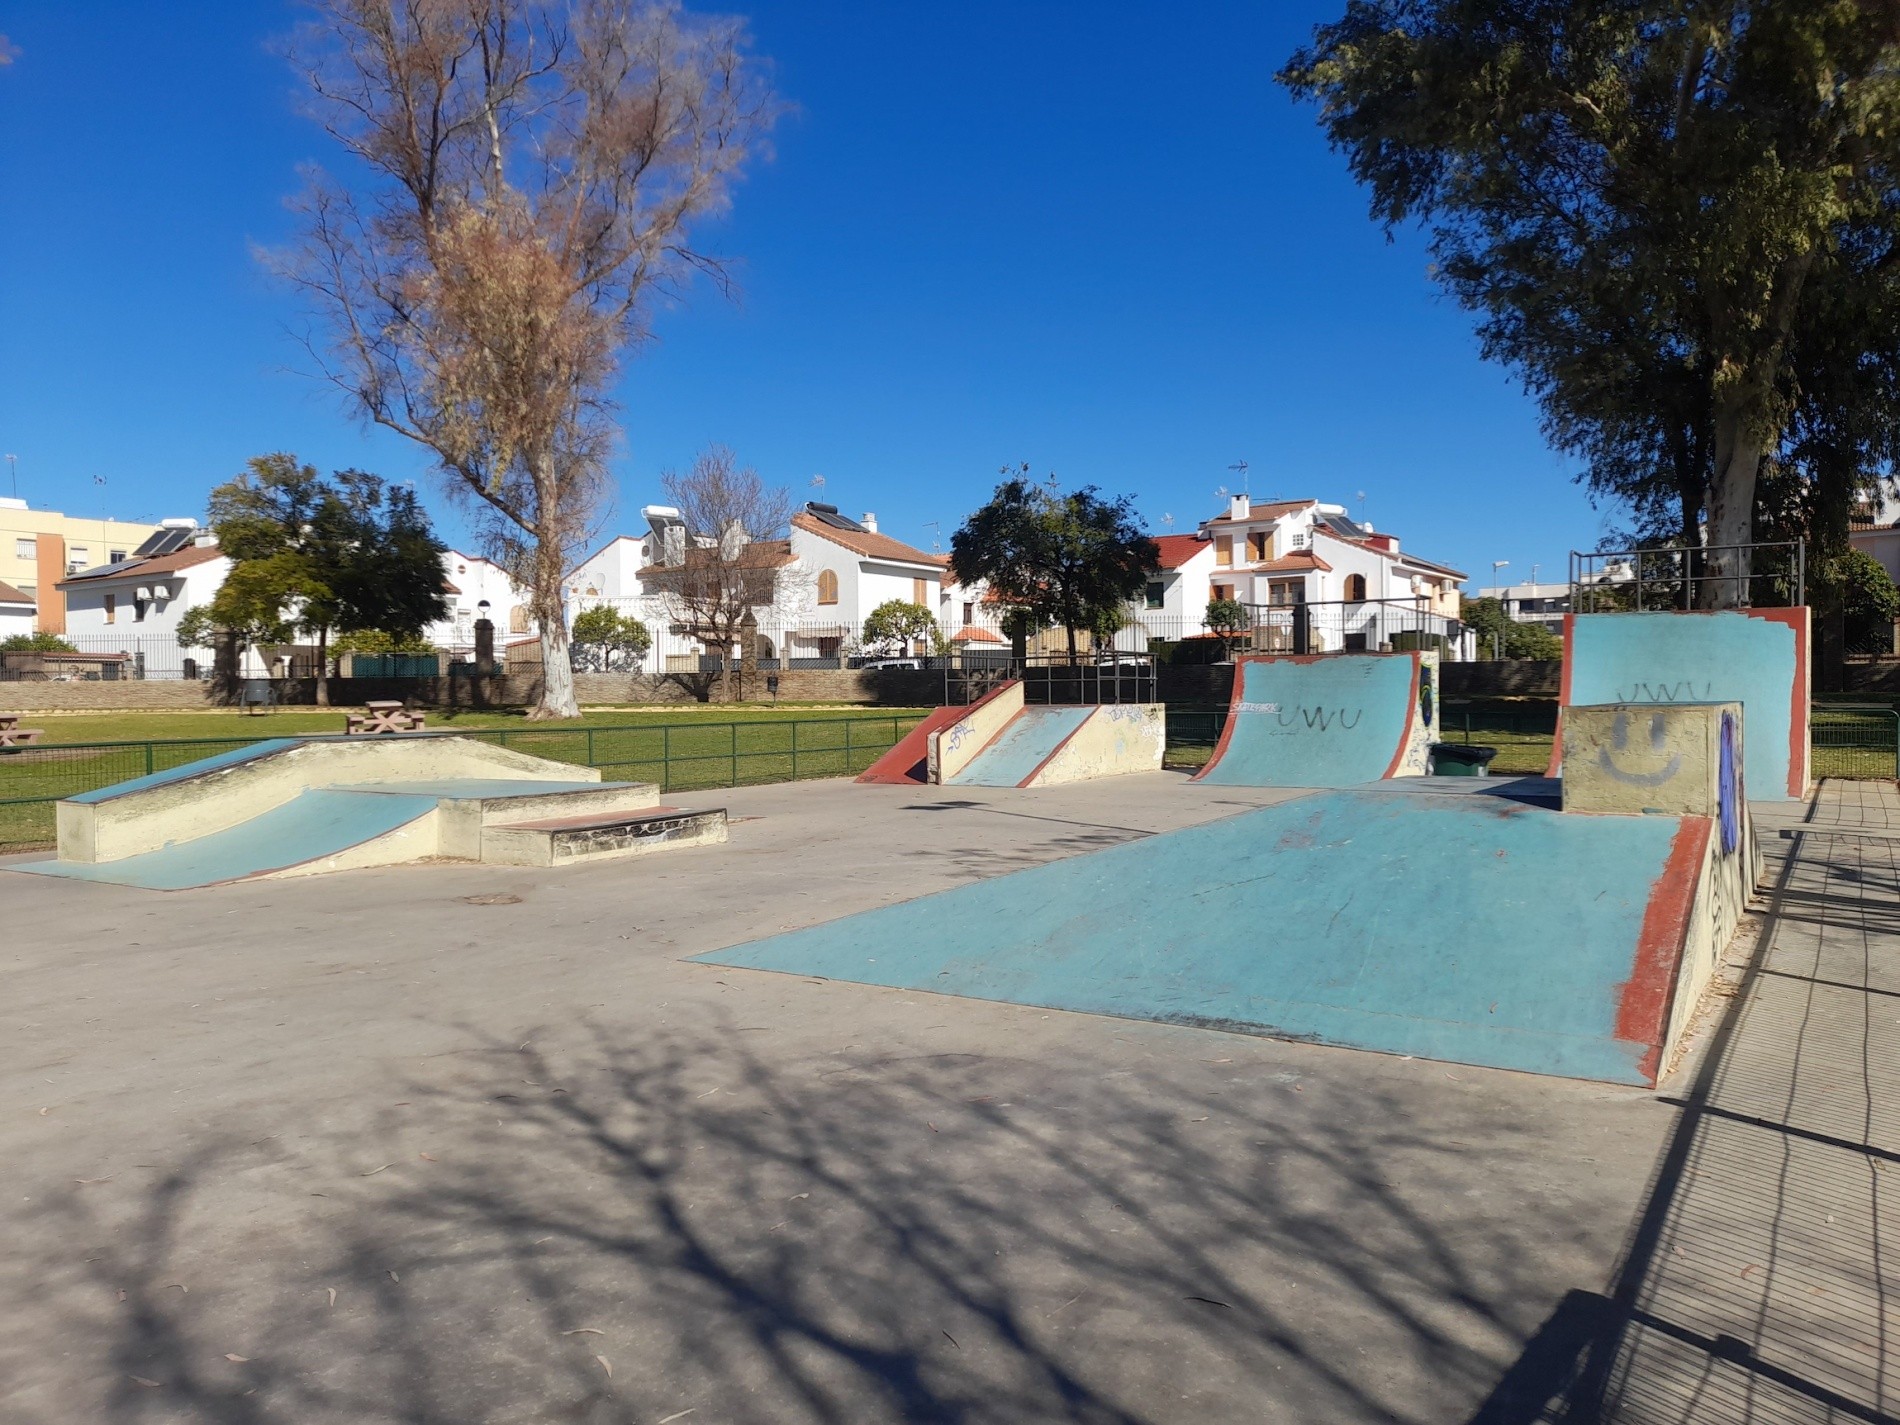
166,541
105,569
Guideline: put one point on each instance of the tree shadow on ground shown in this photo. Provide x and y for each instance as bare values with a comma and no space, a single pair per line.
608,1231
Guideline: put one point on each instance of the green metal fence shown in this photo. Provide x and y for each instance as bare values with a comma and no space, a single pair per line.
678,756
1856,741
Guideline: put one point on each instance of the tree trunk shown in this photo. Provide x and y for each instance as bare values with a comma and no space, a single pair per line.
1731,506
557,674
323,667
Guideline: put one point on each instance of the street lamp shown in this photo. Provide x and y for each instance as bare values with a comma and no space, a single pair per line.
1503,600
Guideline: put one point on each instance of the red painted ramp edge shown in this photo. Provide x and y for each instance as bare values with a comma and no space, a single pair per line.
908,763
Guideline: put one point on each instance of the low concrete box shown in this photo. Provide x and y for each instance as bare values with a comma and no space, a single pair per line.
1678,759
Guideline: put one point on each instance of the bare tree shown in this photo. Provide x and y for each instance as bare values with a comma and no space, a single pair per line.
526,175
732,556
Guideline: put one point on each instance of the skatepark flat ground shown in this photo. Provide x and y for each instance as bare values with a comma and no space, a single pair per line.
473,1144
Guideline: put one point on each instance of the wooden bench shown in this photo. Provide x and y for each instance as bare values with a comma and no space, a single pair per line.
13,735
389,716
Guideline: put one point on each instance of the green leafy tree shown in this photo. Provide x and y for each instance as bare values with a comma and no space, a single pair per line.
1227,616
894,624
1640,201
1064,559
1870,602
605,639
322,556
1501,636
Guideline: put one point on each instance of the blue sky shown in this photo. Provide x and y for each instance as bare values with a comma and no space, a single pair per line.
1095,237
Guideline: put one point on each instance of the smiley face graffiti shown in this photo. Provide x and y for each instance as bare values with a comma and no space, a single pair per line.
1620,744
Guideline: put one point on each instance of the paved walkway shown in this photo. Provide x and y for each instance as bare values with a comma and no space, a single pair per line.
1759,1281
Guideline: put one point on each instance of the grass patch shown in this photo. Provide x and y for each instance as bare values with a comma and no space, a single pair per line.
226,724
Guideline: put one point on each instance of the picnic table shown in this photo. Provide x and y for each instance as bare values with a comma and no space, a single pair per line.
13,735
384,716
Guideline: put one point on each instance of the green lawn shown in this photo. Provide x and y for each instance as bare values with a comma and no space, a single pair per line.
225,724
682,749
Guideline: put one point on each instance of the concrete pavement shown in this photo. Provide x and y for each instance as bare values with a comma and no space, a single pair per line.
464,1143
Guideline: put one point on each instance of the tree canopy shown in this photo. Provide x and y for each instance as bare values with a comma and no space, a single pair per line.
893,625
1497,630
321,556
1066,560
1655,210
606,640
523,179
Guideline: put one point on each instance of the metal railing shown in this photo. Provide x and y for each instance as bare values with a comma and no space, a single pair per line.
1855,740
1667,577
678,756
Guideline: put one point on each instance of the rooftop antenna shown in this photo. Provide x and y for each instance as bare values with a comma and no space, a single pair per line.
13,469
1362,506
936,528
1168,521
1239,467
818,483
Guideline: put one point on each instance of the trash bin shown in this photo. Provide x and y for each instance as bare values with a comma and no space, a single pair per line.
1461,759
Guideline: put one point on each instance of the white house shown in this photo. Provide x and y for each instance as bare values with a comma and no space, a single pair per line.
478,588
845,569
611,572
17,611
1360,586
133,606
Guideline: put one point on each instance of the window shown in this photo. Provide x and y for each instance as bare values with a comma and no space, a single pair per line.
1156,592
969,613
518,619
1224,552
1286,591
1355,588
117,556
1223,591
920,592
112,608
827,586
1259,547
1299,539
139,606
78,554
25,548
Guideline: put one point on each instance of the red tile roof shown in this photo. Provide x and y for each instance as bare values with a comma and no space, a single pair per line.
186,558
1177,549
11,595
1265,512
871,546
973,634
1300,561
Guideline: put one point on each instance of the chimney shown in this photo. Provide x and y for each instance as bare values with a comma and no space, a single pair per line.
869,522
1239,507
669,534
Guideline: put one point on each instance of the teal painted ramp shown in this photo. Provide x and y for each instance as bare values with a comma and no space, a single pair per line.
1026,742
1467,928
1323,721
312,825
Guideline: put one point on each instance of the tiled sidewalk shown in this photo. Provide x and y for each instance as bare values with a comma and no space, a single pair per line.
1759,1284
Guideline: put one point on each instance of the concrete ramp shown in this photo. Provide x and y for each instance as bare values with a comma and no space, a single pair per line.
908,762
314,832
1014,756
1326,720
1472,928
1755,657
304,806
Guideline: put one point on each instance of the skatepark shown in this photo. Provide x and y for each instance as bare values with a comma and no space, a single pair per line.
462,1138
